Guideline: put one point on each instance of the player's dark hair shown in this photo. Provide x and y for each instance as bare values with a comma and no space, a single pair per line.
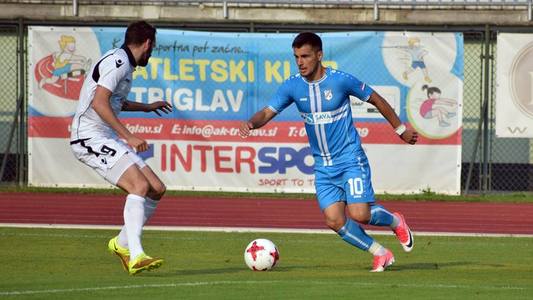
138,32
307,38
431,90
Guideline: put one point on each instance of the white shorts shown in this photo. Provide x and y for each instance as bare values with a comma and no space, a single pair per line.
108,157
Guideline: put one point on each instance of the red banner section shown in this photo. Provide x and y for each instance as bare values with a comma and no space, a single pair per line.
227,131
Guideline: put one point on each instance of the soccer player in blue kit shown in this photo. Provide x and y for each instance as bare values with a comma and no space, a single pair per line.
342,173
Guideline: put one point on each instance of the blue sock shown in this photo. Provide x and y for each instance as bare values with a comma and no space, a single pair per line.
354,235
379,216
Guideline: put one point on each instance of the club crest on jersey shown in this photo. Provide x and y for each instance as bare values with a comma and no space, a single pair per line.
328,94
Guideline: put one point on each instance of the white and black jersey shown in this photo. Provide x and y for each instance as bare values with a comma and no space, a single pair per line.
93,141
114,72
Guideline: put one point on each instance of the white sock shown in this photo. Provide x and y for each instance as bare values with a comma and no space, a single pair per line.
377,249
149,207
133,222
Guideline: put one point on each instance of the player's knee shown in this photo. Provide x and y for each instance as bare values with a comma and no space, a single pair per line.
141,188
335,224
360,216
159,190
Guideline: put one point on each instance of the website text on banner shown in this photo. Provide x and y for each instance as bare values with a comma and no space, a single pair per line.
216,80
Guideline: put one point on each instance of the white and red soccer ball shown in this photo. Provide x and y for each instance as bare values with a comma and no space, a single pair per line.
261,255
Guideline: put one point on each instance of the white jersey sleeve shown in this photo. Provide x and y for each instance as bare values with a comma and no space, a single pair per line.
113,72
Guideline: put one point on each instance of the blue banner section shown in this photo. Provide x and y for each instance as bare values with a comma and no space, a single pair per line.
229,76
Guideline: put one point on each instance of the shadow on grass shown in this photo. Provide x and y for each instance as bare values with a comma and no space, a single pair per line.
285,268
161,273
214,271
428,266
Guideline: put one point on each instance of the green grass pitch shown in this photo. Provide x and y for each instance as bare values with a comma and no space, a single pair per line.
75,264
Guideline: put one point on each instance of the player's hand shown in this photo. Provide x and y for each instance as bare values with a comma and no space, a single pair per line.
160,106
409,136
245,128
136,143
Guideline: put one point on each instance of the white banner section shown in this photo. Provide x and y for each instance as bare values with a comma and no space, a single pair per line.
514,98
189,166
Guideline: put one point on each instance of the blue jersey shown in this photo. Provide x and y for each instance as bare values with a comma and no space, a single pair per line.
325,108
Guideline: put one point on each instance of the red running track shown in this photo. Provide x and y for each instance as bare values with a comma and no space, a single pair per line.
460,217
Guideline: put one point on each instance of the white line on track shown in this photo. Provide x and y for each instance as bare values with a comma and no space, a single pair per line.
257,229
241,282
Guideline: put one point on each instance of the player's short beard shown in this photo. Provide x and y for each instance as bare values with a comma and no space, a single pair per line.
144,61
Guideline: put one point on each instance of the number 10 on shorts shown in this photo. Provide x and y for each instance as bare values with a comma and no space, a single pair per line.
356,186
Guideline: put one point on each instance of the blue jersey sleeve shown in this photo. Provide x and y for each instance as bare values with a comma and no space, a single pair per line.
357,88
282,99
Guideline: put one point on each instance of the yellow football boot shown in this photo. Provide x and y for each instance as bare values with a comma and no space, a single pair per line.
144,262
121,252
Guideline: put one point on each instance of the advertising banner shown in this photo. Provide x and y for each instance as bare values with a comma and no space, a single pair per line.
514,94
215,81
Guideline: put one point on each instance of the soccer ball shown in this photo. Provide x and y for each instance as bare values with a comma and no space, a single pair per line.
261,255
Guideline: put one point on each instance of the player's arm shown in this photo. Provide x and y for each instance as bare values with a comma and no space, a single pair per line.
407,135
157,107
281,100
258,120
101,105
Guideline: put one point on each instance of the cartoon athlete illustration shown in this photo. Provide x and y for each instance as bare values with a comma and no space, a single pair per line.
433,106
417,53
66,63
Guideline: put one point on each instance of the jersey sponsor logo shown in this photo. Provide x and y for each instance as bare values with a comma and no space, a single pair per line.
318,118
303,99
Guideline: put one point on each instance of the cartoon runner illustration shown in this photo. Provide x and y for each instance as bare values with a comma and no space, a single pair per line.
66,64
417,53
432,106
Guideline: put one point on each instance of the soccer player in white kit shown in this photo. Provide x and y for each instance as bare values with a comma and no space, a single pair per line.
342,173
102,142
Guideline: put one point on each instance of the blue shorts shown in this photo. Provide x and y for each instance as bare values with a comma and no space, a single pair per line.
349,182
